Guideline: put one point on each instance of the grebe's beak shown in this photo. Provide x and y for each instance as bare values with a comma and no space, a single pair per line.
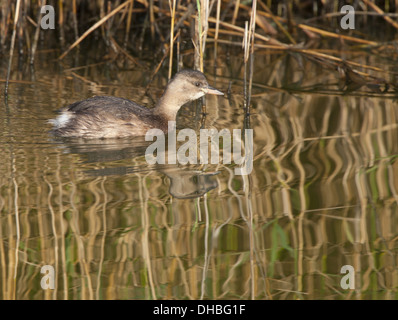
211,90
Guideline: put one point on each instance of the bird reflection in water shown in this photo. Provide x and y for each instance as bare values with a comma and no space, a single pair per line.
184,183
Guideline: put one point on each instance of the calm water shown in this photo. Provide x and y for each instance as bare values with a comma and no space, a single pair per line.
323,192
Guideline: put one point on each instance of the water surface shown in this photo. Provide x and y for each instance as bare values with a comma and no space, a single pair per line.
322,193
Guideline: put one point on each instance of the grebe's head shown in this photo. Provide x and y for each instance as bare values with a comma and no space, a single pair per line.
186,86
189,85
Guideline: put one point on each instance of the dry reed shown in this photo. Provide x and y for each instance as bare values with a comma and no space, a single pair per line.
123,17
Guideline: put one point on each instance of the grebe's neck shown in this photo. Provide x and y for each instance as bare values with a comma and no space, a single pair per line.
168,106
173,98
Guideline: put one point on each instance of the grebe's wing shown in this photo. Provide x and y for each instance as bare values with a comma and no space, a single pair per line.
106,107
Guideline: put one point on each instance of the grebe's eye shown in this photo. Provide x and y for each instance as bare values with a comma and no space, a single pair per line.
197,84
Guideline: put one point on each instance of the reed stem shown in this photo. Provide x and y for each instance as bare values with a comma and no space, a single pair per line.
16,18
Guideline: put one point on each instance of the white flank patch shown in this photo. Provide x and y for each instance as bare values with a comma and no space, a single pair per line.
61,120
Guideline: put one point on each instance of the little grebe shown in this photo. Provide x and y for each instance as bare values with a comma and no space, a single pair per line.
112,117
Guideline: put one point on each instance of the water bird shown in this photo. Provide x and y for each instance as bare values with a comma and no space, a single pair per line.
112,117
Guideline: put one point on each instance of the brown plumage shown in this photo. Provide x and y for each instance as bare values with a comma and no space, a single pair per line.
112,117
